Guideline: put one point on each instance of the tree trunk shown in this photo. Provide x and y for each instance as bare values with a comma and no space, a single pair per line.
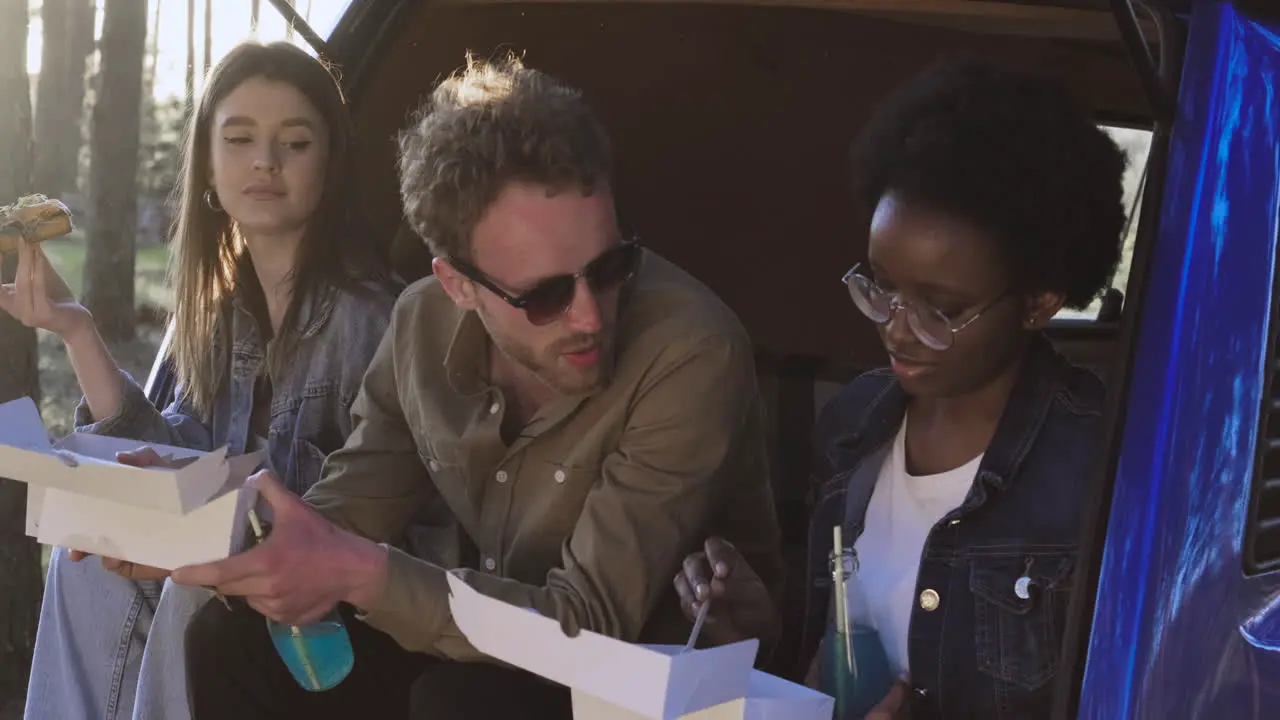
113,173
153,51
191,56
20,582
68,42
208,36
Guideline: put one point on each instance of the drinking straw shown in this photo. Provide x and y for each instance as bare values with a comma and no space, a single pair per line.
294,631
842,598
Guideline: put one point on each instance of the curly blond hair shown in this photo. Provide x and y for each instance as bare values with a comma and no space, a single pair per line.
490,124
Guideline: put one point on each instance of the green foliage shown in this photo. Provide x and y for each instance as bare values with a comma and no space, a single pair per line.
66,254
161,145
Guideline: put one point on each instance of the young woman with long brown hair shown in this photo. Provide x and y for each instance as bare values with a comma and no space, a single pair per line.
279,308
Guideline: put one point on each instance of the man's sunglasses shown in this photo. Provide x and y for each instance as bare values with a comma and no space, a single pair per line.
551,298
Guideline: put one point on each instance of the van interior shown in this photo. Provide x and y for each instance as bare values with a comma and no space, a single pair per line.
731,123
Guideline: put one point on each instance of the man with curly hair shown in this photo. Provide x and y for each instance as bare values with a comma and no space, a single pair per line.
571,412
992,201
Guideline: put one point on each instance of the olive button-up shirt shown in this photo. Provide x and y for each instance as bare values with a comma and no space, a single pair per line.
588,513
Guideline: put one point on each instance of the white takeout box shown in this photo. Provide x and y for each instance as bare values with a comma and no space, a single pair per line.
615,680
80,498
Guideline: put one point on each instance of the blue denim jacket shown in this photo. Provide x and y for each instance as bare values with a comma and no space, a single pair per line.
311,397
984,652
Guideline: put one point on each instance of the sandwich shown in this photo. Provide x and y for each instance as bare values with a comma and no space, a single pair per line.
34,217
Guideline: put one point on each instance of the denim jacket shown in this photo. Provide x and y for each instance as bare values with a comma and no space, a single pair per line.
983,651
311,397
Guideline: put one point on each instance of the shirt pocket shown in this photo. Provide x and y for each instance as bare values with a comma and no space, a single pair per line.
556,494
448,476
1018,624
304,425
306,462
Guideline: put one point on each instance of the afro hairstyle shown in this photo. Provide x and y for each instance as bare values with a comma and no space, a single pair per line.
1015,155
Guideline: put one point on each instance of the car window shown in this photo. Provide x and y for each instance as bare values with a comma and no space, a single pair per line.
1136,143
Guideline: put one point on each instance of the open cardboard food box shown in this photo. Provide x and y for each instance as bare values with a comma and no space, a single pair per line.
80,498
615,680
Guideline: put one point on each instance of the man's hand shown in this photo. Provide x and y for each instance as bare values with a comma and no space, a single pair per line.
142,457
302,570
740,604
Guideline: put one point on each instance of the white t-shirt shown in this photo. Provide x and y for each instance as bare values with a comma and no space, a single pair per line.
902,511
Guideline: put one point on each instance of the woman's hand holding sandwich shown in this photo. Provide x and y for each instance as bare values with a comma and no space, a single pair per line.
39,298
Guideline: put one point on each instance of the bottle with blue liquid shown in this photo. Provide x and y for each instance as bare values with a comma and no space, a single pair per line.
318,654
854,668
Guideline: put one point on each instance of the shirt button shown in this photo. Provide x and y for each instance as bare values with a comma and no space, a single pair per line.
559,476
489,564
435,466
501,476
494,408
930,600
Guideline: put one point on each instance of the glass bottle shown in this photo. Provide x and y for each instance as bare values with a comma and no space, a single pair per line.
854,667
318,654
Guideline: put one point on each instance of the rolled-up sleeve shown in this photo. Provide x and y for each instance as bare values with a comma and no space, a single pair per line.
650,505
138,419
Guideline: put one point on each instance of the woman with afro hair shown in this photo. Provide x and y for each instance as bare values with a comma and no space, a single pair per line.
992,201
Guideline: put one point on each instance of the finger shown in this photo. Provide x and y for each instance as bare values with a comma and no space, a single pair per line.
146,572
53,280
720,588
145,456
310,616
39,279
265,609
288,614
274,492
124,569
112,564
892,703
77,555
22,280
722,556
8,296
255,587
687,598
221,572
698,574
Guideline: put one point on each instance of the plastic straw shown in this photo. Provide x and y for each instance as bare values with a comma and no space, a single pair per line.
842,598
697,626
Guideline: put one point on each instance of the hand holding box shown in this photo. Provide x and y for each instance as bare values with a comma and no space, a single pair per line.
81,497
616,680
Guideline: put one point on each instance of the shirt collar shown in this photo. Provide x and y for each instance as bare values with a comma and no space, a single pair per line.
314,312
466,362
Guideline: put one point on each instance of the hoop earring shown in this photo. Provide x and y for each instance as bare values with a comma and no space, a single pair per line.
211,200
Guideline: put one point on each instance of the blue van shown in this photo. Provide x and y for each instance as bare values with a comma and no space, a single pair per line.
731,121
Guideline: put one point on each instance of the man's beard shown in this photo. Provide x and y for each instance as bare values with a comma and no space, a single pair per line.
552,371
